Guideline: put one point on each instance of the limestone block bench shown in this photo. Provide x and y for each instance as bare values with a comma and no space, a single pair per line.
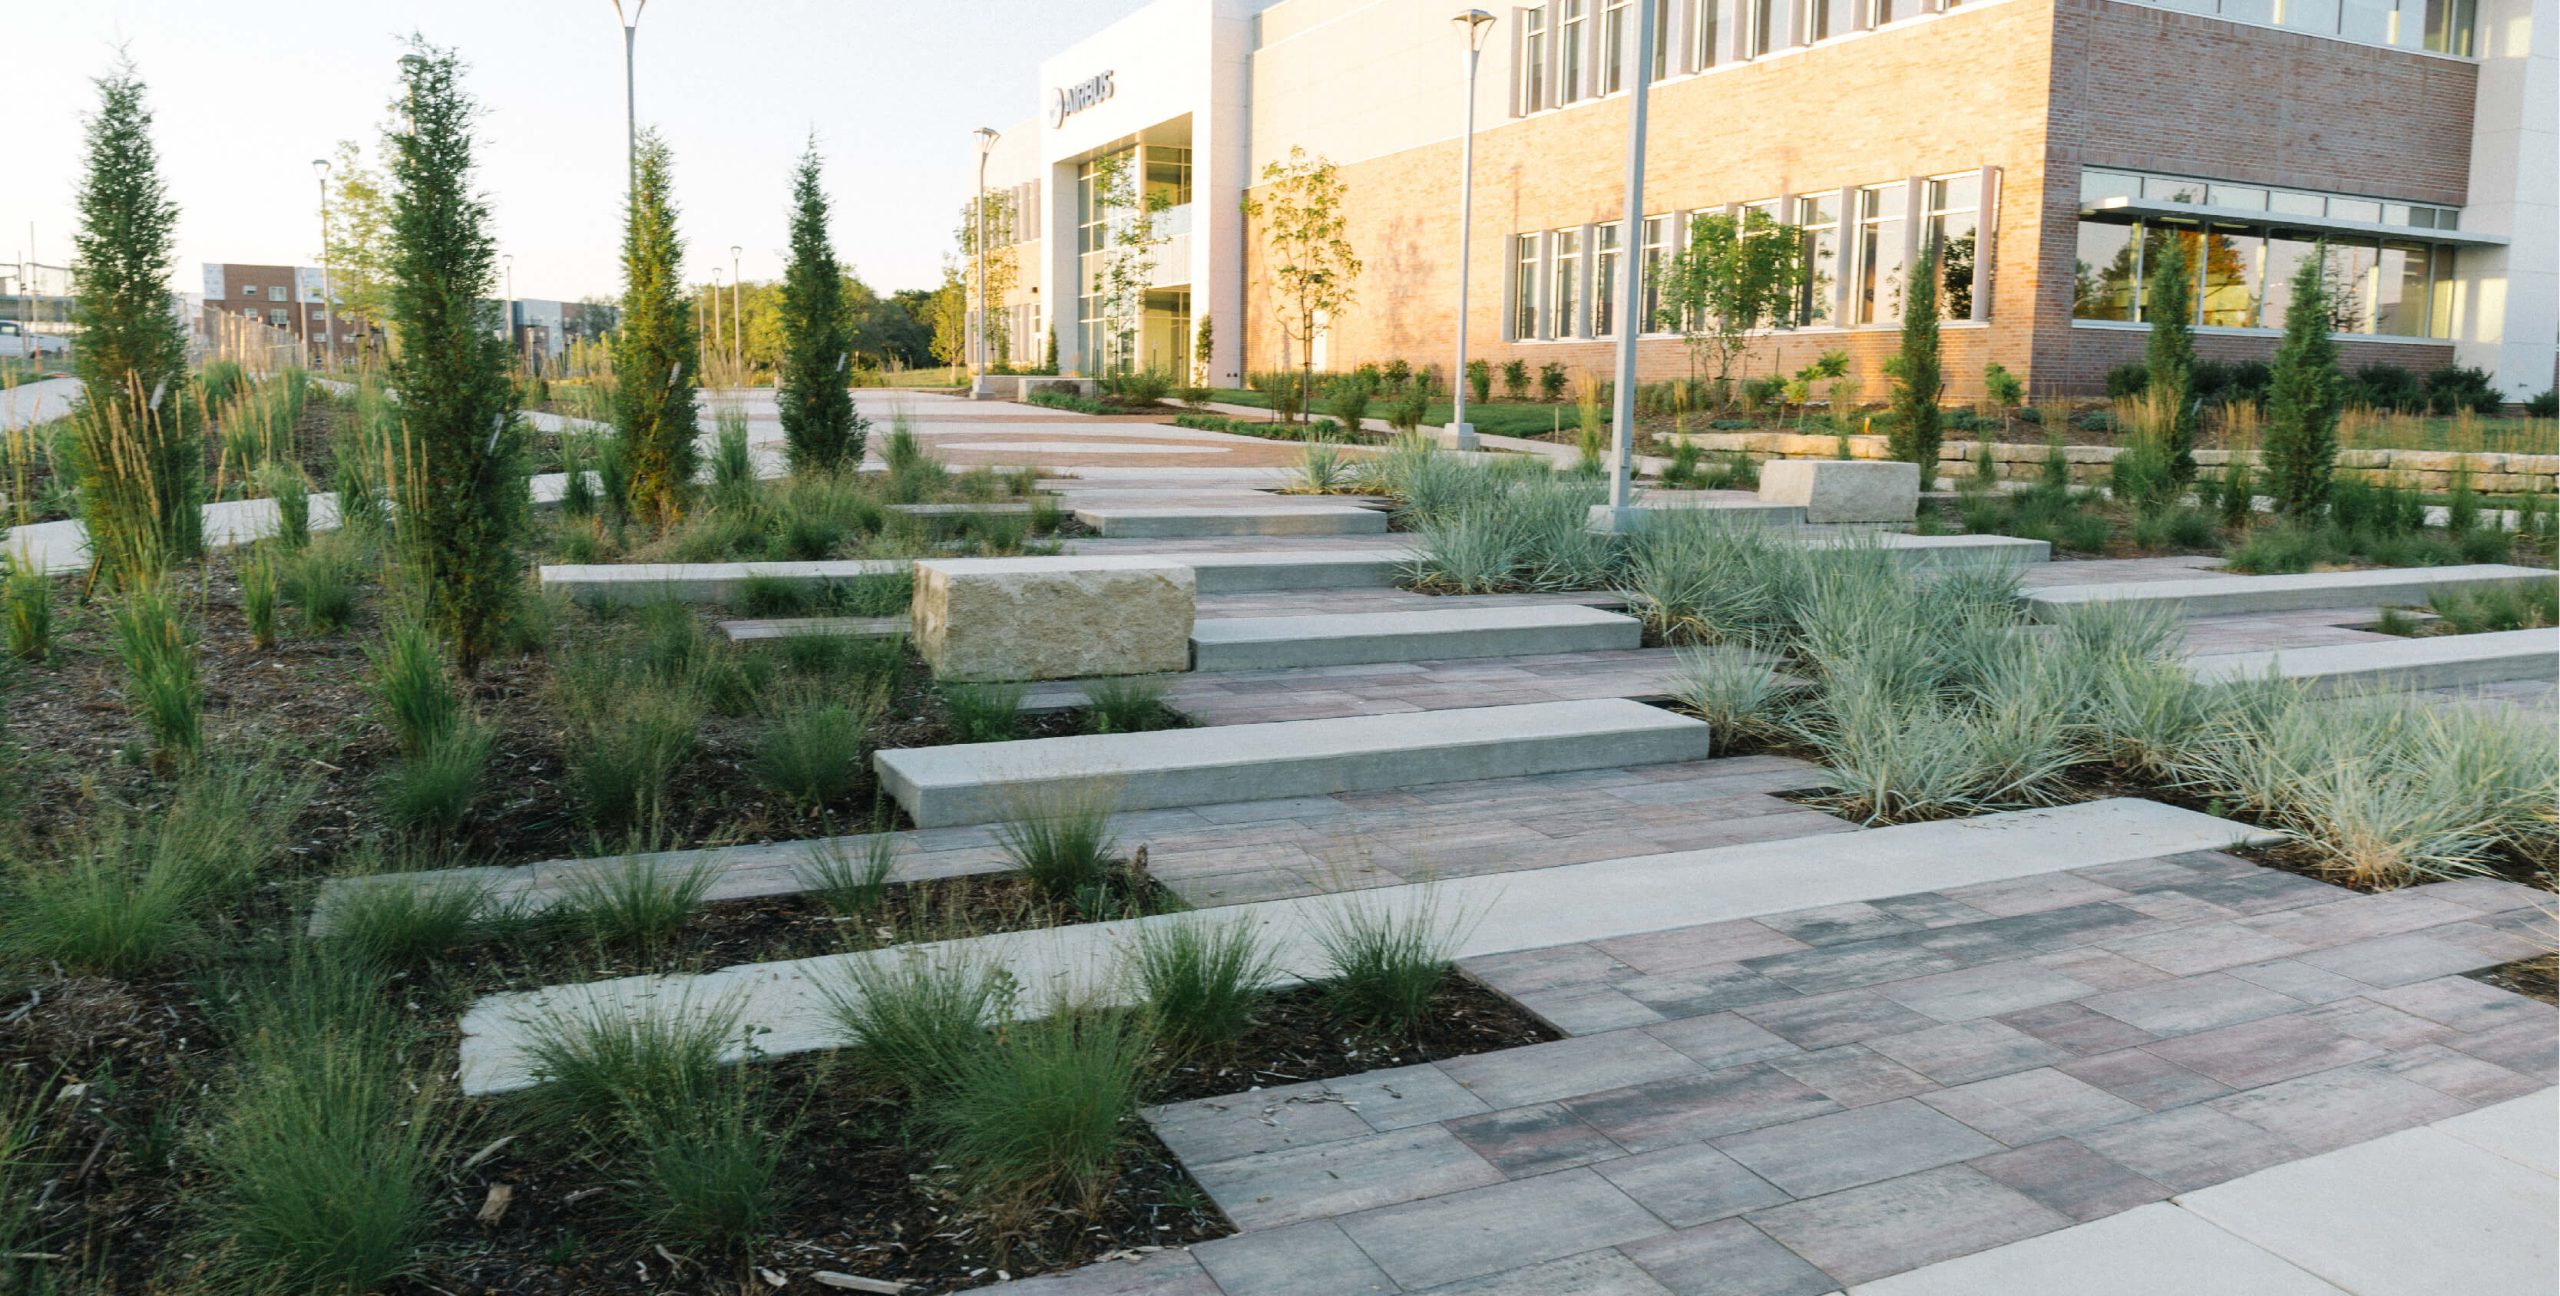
981,619
1844,490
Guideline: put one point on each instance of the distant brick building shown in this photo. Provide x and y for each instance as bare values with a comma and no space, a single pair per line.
2052,147
281,297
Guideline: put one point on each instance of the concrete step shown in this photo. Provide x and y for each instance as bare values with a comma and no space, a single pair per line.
1272,519
1929,551
2223,595
2434,661
1262,572
1352,639
770,629
987,782
703,582
1732,508
1492,914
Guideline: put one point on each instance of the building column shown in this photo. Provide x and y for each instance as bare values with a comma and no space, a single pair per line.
1062,281
2508,309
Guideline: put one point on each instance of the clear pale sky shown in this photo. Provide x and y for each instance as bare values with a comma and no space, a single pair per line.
247,92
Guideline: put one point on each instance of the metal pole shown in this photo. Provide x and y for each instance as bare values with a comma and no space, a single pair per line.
1630,258
328,300
715,311
1463,433
511,307
630,98
987,137
737,334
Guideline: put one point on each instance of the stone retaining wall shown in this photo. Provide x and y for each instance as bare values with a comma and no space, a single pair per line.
2427,470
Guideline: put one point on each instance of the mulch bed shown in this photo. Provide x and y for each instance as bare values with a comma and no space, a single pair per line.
2535,978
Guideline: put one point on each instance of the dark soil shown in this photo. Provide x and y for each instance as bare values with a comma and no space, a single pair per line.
2535,978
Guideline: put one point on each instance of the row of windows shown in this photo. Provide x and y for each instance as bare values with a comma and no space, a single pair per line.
2243,277
2099,186
2442,26
1566,51
1564,282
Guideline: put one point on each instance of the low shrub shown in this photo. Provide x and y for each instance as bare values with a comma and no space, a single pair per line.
2494,608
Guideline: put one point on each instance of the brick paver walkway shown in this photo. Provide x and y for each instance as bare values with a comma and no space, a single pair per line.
1791,1105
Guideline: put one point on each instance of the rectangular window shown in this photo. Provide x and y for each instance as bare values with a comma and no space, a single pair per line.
2104,271
2319,17
1605,269
1952,230
2368,21
2275,286
1818,18
1533,59
2245,197
2448,25
2400,286
1614,35
1880,258
2230,296
1524,286
1569,51
2355,209
2440,294
2155,243
1819,216
1657,250
276,318
1661,39
1715,18
2354,274
2098,186
276,293
1564,314
1763,16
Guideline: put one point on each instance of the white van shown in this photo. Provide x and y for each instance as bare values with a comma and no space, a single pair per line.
17,342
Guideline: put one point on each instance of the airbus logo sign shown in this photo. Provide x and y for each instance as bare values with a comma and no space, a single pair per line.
1074,99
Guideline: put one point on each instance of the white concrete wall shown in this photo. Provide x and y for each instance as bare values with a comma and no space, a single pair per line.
2510,308
1357,79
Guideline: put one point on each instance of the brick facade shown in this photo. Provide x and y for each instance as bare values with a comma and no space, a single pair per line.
2036,88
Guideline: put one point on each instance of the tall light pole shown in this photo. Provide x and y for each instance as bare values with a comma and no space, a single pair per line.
1622,418
328,314
978,327
715,310
737,333
1474,24
630,95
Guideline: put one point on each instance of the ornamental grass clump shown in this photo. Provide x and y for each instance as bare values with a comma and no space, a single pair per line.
26,608
852,882
430,790
409,687
985,712
1386,956
1736,692
811,750
1703,580
320,1171
606,1067
1127,704
1039,1124
719,1176
915,1021
1520,533
396,925
1201,981
159,657
639,901
1064,844
627,755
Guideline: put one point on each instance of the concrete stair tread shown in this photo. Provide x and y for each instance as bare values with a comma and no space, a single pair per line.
985,782
2222,595
1258,572
1439,634
760,631
1495,914
2425,662
1275,518
703,582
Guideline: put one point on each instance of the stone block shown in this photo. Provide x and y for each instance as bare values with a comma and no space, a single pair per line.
1053,618
1844,490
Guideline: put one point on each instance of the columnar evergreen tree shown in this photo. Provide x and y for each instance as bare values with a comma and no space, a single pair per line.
2168,362
1918,378
460,482
819,426
142,470
2303,397
656,356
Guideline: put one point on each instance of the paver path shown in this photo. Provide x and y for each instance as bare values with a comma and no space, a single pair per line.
1821,1099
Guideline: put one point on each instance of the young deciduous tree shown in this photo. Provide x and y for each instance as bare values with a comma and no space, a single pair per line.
1918,379
358,238
1312,264
1734,276
656,355
2300,442
459,478
142,470
819,426
1003,271
947,310
1128,265
2169,359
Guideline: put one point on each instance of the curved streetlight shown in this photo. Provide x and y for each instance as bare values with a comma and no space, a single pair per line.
630,94
328,314
1475,24
987,137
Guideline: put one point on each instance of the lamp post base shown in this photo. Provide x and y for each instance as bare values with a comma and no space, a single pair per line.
1462,436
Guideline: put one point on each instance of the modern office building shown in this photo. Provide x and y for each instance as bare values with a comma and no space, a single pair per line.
2052,148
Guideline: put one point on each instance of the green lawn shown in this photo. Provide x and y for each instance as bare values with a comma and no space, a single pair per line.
1498,418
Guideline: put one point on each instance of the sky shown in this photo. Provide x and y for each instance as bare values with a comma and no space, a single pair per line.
247,92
